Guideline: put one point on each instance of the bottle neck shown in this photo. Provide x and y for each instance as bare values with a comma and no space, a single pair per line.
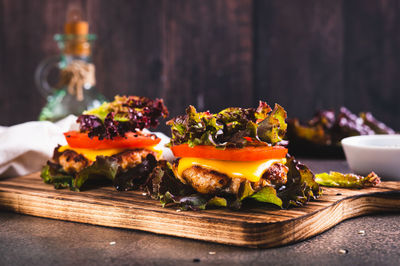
68,58
76,47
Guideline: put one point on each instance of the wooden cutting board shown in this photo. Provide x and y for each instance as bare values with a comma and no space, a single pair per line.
257,227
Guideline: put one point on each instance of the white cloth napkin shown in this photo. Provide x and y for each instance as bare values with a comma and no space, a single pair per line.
26,147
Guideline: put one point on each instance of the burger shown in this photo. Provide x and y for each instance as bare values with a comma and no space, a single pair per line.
111,143
231,158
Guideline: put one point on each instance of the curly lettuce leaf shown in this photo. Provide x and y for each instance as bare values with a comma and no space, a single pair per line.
165,187
245,190
267,195
100,112
316,133
194,128
59,180
377,126
273,128
232,127
348,124
103,166
327,128
336,179
163,180
124,114
193,202
217,202
300,187
135,177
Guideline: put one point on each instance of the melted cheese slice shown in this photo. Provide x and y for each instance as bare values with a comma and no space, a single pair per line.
251,170
92,154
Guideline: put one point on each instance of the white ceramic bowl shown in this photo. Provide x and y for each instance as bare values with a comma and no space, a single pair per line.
378,153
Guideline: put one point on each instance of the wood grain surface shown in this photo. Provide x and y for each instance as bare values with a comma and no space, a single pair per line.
298,54
255,227
304,55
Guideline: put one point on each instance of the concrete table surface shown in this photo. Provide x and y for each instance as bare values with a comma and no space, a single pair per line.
26,240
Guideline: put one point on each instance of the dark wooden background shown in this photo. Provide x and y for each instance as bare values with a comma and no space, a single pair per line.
213,54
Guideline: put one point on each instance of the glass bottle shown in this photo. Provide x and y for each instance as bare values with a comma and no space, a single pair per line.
75,90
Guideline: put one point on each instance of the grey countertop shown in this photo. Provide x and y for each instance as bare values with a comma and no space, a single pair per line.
370,240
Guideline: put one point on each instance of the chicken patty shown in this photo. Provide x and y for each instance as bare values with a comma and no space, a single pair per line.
208,181
73,162
275,176
205,180
131,158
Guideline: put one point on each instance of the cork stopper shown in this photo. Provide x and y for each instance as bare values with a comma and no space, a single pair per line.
75,24
77,27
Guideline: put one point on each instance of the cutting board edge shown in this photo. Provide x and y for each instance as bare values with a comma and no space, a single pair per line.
356,199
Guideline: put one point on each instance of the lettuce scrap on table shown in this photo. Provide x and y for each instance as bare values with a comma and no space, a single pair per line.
336,179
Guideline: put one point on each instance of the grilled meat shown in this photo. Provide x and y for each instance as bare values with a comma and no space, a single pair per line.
72,162
205,180
208,181
131,158
275,176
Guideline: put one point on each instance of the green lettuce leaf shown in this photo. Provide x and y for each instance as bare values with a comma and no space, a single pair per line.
336,179
101,111
218,202
162,180
267,195
118,106
315,134
103,167
245,190
59,180
45,174
137,176
229,128
124,114
300,187
273,128
170,191
193,202
124,106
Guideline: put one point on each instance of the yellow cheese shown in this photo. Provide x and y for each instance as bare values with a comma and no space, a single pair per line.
251,170
92,154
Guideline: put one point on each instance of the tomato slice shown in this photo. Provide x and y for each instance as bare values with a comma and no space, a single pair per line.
230,154
77,139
